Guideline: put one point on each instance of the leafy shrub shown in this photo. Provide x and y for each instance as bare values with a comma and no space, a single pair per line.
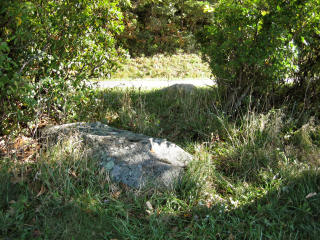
61,41
253,46
157,26
307,39
13,90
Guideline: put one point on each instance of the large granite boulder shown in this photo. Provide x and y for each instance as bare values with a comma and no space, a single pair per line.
133,159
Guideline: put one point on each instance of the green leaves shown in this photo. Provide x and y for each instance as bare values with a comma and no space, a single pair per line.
256,43
58,40
4,46
162,26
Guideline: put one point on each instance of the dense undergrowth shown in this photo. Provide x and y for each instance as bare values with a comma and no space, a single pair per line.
255,175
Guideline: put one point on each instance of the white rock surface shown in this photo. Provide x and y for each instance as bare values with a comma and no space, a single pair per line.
133,159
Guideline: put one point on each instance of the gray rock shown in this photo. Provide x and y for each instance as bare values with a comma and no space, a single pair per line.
181,88
133,159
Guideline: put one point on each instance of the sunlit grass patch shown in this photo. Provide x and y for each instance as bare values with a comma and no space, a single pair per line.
180,65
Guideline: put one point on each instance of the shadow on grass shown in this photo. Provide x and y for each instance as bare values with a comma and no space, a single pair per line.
91,211
178,116
284,213
243,146
290,211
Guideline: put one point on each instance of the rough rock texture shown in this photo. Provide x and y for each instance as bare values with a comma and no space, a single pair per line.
133,159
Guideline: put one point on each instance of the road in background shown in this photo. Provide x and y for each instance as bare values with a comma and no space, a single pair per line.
154,83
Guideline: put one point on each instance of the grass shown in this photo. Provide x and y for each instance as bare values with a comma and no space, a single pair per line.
254,177
160,66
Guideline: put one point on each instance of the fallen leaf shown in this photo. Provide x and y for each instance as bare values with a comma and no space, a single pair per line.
310,195
125,186
149,206
73,173
116,194
42,190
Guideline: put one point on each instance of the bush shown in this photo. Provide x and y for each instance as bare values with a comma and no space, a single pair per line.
307,39
157,26
61,41
255,46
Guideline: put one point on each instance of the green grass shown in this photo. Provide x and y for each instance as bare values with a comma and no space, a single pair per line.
250,179
180,65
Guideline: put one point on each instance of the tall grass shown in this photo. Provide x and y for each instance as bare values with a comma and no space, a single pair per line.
180,65
255,176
